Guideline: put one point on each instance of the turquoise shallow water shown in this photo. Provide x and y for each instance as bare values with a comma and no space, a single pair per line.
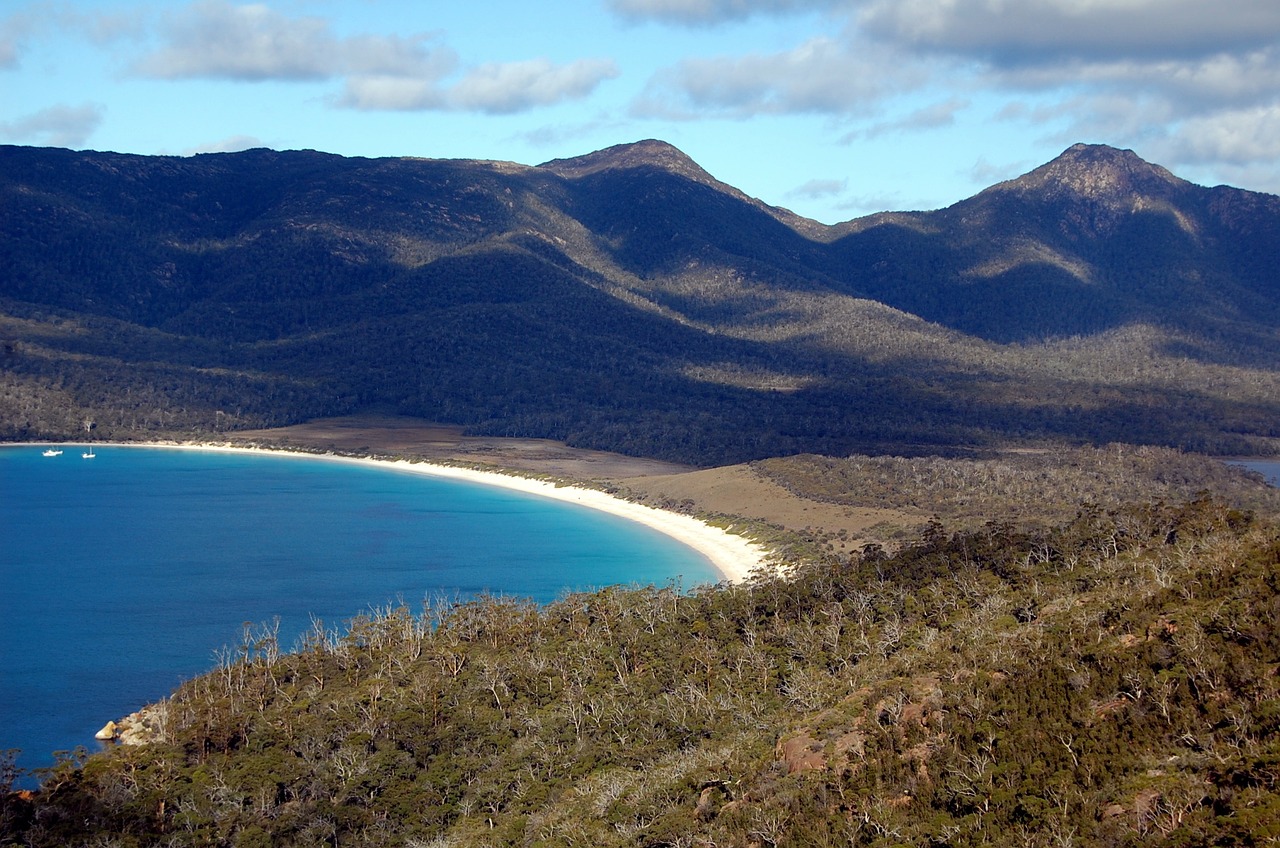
121,576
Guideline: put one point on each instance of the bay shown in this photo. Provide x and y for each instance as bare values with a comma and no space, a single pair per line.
1268,468
122,575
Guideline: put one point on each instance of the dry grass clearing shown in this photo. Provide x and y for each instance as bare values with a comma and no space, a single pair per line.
740,490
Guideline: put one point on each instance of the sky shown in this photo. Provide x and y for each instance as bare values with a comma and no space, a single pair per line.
832,108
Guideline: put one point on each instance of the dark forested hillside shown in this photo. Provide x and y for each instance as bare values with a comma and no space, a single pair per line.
1094,240
628,300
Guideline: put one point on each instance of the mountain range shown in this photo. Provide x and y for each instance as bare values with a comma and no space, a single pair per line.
628,300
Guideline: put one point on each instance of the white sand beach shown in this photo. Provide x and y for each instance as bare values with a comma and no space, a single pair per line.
735,557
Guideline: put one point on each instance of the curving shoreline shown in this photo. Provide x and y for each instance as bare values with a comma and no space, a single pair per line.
734,557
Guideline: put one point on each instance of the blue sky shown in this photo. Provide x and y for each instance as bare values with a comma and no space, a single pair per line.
833,108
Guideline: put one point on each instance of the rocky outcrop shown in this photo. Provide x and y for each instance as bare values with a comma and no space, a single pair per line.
147,725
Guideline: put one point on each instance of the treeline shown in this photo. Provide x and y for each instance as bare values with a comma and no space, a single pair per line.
1107,682
638,385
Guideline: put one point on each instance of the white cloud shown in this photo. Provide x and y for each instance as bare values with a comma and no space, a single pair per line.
60,19
984,173
560,134
396,74
57,126
1263,175
517,86
822,75
819,188
1196,84
1222,77
1030,32
8,52
213,39
929,117
868,204
252,43
494,88
231,144
391,93
701,12
1186,82
419,56
1117,116
1235,137
1193,82
104,27
1237,144
14,32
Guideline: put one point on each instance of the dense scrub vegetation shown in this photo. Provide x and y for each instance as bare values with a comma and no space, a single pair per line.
1112,681
1040,487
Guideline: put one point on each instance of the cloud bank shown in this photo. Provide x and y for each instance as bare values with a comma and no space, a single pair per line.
213,39
1195,82
711,12
57,126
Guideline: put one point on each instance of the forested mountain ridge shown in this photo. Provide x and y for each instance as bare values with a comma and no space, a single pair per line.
1093,240
628,300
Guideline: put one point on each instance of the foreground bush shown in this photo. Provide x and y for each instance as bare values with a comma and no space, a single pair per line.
1109,682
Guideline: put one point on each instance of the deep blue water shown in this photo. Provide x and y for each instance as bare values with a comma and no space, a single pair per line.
121,576
1269,468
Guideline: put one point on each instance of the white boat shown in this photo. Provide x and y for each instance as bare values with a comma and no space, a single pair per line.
88,454
52,452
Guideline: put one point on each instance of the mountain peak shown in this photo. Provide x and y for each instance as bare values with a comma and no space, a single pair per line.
649,153
659,155
1098,173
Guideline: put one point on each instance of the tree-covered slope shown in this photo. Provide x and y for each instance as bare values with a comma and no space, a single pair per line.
1093,240
628,300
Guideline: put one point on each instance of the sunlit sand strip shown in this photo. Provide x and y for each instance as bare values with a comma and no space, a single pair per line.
735,557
